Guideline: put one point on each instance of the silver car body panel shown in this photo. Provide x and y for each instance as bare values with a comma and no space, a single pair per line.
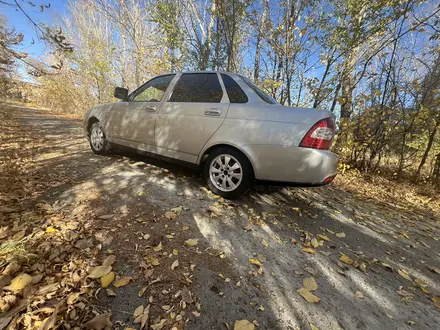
268,134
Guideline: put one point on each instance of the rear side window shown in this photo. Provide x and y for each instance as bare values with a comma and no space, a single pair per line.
235,93
266,98
197,87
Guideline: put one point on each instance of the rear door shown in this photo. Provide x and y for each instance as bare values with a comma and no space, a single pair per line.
195,109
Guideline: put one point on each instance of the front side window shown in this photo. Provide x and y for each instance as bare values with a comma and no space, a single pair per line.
235,93
153,90
197,87
266,98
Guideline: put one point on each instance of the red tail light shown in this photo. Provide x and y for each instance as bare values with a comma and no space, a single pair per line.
320,136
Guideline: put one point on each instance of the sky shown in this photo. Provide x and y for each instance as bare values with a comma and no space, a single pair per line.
18,20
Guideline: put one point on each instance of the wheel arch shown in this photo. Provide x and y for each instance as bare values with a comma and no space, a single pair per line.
90,122
206,152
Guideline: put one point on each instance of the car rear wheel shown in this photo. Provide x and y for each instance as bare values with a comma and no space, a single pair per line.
228,173
98,140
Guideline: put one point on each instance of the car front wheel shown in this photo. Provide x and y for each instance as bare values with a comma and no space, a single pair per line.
98,140
228,173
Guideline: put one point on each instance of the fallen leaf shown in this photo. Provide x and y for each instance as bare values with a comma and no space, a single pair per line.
99,271
153,261
313,327
185,227
307,295
359,295
192,241
309,250
138,311
170,215
110,293
110,260
340,235
176,252
243,325
404,274
51,229
107,279
265,244
159,325
20,282
123,281
142,291
346,259
436,301
11,268
255,262
324,237
434,269
175,264
314,242
5,280
186,295
411,322
158,248
310,284
99,322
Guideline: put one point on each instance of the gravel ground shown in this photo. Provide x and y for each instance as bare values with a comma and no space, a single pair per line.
386,281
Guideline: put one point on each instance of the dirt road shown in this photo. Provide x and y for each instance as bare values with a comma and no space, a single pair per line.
374,263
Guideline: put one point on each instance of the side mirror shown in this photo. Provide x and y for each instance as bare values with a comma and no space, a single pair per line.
121,93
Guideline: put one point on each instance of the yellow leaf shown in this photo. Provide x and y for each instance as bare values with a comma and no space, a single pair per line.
359,295
313,327
123,281
158,248
255,262
138,311
142,291
436,301
192,242
243,325
51,229
176,252
153,261
20,282
404,274
185,227
106,280
346,259
265,244
314,242
110,260
324,237
99,271
309,250
307,295
340,235
310,284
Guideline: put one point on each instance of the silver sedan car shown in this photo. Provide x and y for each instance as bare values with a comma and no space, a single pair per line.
222,123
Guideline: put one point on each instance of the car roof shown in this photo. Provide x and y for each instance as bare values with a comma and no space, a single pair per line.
207,71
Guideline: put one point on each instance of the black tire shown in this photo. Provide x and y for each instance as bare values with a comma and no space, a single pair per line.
105,148
247,177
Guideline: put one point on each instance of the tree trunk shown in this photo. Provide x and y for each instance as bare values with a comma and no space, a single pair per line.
427,150
258,43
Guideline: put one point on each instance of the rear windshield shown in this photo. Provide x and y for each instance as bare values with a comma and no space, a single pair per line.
266,98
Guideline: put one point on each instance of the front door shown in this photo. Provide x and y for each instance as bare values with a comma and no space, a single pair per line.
196,108
136,118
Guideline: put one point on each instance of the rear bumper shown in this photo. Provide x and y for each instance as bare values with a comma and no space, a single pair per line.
292,165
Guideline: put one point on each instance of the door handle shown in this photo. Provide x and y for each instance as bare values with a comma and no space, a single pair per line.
151,108
213,112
